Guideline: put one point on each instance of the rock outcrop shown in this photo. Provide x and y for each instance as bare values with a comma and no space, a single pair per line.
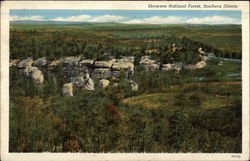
149,64
200,65
220,63
34,73
134,85
172,67
103,64
89,84
86,62
41,62
25,63
67,89
130,59
125,66
53,64
37,76
104,83
102,73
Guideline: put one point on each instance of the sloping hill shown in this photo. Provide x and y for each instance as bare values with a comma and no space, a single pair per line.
199,95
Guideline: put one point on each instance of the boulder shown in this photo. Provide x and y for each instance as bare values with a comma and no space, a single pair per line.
201,51
146,60
103,64
123,66
71,59
167,67
25,63
34,73
86,62
134,85
41,62
200,65
204,58
89,83
28,70
220,63
37,76
104,83
53,64
67,89
172,67
149,64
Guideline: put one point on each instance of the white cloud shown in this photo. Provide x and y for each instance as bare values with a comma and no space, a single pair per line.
161,20
156,20
149,20
73,18
213,20
20,18
106,18
134,21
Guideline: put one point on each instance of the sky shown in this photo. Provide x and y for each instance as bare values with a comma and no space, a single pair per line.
131,16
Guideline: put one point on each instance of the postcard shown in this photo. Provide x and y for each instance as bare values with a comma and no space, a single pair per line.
124,80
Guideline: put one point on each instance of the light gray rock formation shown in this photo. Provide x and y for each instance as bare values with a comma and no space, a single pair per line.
134,85
177,67
102,73
201,51
103,64
75,70
127,67
204,58
149,64
104,83
200,65
86,62
53,64
37,76
67,89
89,83
27,71
220,63
130,59
71,60
41,62
25,63
34,73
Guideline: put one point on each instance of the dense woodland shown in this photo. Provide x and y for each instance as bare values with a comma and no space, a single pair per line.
42,120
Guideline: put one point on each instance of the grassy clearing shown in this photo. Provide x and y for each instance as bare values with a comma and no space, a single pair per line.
201,95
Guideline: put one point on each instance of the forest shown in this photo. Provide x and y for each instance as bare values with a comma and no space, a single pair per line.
194,111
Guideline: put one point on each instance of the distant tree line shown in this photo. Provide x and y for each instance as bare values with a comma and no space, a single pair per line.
56,45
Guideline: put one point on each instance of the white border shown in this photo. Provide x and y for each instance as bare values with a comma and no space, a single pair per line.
111,5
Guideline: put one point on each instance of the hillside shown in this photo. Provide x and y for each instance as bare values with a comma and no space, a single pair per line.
111,87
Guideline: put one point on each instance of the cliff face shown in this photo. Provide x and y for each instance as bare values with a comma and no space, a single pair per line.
79,71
